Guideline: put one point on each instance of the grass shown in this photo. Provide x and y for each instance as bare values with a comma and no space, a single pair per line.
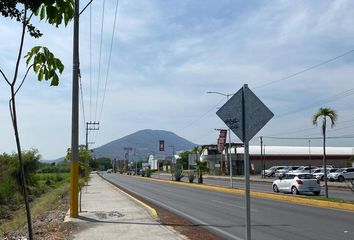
46,202
336,200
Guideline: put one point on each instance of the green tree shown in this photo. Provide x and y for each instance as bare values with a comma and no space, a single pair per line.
325,113
10,178
40,59
202,166
182,162
101,163
85,156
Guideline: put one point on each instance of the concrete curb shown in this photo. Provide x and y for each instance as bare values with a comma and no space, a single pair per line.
152,210
263,195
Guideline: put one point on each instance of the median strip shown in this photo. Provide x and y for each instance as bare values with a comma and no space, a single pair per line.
263,195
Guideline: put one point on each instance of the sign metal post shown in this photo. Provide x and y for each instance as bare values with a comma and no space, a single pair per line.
245,115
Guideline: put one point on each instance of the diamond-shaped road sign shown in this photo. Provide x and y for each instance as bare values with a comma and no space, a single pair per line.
245,114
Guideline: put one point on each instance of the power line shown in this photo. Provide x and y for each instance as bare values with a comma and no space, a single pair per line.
306,69
100,58
298,73
333,98
201,116
82,102
307,138
109,59
90,53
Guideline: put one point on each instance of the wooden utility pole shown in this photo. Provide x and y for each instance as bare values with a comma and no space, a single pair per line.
74,168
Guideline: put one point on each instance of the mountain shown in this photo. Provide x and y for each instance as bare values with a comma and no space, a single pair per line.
142,144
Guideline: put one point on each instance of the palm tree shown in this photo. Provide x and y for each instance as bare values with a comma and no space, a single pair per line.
201,165
324,113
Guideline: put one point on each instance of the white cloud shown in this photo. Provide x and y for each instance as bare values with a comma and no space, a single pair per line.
166,56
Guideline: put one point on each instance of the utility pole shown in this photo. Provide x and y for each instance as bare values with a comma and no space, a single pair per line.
310,155
229,148
74,168
172,160
91,126
262,171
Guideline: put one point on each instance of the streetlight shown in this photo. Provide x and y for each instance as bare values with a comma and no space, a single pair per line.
229,148
310,155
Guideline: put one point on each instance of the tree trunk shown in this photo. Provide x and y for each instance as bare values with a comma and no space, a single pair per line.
22,170
324,155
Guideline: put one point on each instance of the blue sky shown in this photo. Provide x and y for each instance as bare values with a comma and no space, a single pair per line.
168,54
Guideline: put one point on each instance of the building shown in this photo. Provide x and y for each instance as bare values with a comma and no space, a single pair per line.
275,156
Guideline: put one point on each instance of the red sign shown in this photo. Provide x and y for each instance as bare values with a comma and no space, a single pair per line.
162,146
222,139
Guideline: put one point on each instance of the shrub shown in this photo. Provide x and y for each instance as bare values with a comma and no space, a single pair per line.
148,172
191,177
178,175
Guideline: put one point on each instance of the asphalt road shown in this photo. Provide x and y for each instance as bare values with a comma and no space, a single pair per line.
224,214
345,193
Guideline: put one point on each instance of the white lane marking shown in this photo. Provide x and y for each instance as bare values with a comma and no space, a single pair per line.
233,205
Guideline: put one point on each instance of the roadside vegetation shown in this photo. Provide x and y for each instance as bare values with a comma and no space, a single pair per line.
46,181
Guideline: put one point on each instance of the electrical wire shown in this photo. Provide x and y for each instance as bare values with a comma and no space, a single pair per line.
90,53
100,59
308,138
201,116
109,59
306,69
82,104
333,98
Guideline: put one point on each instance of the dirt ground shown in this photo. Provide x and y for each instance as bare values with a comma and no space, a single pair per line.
48,226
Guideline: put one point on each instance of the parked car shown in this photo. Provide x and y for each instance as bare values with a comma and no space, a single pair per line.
305,169
327,166
342,174
270,172
109,170
284,170
297,183
319,173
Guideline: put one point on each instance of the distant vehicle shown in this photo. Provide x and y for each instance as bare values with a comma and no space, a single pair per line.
342,174
319,173
327,166
286,169
270,172
297,183
304,169
109,170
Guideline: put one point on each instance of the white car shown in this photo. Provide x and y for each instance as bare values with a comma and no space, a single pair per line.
271,171
342,174
319,173
304,169
297,183
286,169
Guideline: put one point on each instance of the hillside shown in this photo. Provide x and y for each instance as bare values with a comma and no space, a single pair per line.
143,143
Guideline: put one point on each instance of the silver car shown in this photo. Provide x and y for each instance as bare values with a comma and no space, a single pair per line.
297,183
319,173
342,174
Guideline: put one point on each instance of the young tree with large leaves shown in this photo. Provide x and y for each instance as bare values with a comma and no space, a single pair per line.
324,113
42,61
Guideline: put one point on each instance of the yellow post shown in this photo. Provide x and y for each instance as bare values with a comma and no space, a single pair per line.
74,189
74,167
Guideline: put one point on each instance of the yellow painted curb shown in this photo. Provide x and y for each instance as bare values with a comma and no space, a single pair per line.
263,195
151,209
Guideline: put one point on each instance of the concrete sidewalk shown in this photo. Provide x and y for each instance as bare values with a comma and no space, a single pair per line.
108,213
